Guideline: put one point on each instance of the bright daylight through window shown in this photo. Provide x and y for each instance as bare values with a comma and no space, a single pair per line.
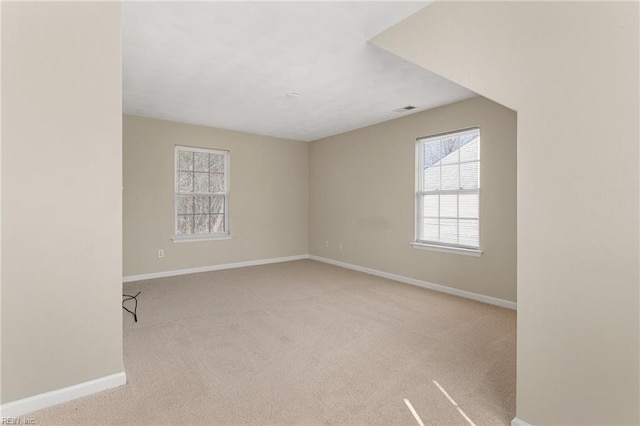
201,193
448,190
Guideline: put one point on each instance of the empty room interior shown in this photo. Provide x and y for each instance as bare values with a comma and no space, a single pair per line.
371,213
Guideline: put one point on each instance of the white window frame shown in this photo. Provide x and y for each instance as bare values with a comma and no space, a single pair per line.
200,237
420,192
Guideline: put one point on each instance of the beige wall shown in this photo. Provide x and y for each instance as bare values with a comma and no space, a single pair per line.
362,184
1,3
61,195
268,197
571,71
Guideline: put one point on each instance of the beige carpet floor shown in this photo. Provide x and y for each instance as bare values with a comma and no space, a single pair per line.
305,343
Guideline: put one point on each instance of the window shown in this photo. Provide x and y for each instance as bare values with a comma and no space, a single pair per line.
448,190
201,193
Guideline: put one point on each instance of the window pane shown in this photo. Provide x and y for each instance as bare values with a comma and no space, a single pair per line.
201,224
217,223
185,160
450,149
469,175
470,151
201,182
185,205
217,204
468,205
448,205
429,230
201,161
469,232
216,182
185,182
449,231
217,163
432,153
201,205
450,177
449,189
185,224
430,205
198,173
431,178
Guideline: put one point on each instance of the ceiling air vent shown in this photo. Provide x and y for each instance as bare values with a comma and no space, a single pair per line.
404,109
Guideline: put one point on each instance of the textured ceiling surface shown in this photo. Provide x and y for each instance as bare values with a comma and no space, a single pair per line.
230,65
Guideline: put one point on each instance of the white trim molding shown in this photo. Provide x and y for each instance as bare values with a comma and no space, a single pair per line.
210,268
446,249
517,422
425,284
49,399
187,239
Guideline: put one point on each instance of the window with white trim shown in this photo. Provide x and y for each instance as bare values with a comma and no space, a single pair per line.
448,190
201,193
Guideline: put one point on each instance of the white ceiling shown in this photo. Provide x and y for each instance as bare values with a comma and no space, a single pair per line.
231,64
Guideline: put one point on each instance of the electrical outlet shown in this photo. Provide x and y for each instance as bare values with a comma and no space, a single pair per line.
326,243
340,245
160,253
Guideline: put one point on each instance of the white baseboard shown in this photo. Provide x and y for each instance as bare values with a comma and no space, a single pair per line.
49,399
517,422
177,272
437,287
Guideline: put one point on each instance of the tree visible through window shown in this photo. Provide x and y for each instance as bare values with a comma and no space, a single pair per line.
448,189
201,192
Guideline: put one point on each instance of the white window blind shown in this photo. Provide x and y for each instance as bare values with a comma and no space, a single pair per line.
201,192
448,189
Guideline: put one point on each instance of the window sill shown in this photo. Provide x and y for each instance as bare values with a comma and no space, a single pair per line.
177,239
447,249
